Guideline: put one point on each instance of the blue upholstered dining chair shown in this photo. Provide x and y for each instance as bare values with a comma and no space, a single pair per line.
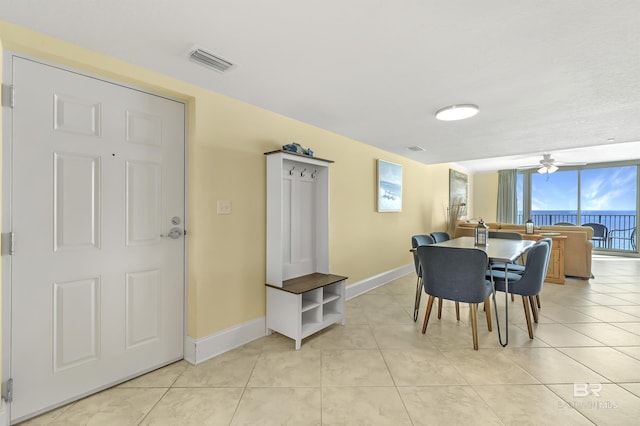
505,235
549,242
456,274
498,271
529,284
416,241
440,236
511,267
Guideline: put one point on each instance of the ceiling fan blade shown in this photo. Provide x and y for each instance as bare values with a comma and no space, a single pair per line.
547,162
566,163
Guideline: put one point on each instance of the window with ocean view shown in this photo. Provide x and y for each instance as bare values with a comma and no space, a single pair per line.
605,195
554,197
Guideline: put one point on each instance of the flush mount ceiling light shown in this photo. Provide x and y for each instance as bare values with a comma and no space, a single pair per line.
457,112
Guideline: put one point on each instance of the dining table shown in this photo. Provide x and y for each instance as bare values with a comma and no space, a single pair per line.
499,250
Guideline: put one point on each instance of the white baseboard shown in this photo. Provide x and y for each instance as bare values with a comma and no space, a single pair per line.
197,351
200,350
370,283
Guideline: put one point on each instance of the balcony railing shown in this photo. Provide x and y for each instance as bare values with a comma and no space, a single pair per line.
621,228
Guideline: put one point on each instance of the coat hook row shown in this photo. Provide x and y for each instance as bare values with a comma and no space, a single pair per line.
303,172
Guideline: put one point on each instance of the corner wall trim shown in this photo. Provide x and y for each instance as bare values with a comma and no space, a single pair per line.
368,284
199,350
4,420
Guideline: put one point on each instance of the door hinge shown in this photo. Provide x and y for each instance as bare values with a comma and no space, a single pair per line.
8,239
7,391
8,95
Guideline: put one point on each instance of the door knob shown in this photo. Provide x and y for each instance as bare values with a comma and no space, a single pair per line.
174,233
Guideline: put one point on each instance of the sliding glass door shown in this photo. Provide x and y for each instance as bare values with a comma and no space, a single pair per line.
554,198
604,196
608,197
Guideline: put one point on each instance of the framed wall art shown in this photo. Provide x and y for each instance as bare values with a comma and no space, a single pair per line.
458,188
389,186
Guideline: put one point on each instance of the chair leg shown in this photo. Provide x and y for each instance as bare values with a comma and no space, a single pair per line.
487,311
427,314
439,308
416,306
534,309
474,324
458,311
538,301
527,317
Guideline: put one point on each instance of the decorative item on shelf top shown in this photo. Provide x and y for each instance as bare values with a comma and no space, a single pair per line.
529,226
453,214
297,148
481,233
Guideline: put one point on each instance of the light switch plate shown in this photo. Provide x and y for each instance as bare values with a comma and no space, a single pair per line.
224,207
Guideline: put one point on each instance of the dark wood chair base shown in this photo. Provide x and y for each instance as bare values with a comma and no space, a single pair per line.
473,313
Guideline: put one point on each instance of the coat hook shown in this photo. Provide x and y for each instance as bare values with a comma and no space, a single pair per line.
291,171
313,175
302,172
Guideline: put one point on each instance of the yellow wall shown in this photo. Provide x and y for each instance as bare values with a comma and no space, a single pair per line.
226,142
485,195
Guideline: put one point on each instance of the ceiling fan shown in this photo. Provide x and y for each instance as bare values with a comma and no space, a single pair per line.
549,165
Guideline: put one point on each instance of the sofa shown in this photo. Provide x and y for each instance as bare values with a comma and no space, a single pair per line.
577,248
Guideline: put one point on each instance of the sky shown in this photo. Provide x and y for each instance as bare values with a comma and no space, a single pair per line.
612,188
390,172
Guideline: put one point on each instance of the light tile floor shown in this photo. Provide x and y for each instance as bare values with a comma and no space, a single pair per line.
583,367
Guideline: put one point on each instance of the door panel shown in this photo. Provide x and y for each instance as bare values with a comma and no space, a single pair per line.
144,128
143,203
76,201
76,115
76,323
97,294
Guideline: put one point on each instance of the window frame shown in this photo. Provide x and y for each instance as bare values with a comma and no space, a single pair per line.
527,193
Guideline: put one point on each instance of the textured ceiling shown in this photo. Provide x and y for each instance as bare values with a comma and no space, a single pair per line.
547,75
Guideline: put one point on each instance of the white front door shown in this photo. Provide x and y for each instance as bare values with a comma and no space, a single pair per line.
97,280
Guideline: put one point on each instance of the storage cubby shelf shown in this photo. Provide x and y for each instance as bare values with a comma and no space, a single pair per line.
303,297
309,304
326,298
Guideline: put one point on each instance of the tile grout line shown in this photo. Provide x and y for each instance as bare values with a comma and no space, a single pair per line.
154,405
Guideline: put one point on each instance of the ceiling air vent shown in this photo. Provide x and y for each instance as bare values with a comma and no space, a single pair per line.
210,60
416,148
